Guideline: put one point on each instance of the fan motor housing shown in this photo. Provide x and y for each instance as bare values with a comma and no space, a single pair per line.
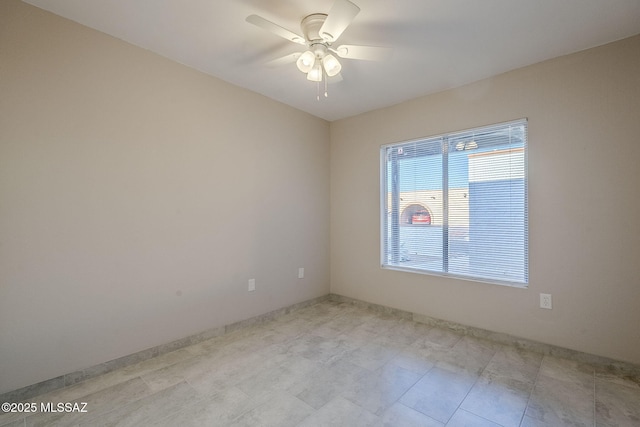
311,25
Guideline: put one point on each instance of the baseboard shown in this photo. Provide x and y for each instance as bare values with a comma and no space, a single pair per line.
600,363
30,391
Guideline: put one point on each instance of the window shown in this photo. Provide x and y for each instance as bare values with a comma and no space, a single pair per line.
456,204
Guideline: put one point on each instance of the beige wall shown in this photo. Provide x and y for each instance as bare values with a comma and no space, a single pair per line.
584,203
138,196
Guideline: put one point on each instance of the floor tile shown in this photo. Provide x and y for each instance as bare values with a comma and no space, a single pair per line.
403,334
233,368
281,410
413,359
632,381
171,375
378,322
498,398
382,388
360,336
469,355
218,409
439,393
98,404
527,421
11,418
515,363
560,402
318,388
401,415
279,378
463,418
372,356
438,337
317,348
567,370
617,404
340,412
337,326
150,410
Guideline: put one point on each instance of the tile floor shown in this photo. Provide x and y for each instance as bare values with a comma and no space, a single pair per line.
336,364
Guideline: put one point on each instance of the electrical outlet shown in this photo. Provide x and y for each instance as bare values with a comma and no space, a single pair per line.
301,273
252,285
545,301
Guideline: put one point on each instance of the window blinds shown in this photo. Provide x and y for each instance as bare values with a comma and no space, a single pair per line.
456,204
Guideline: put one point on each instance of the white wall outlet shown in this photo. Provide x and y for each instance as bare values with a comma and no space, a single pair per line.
545,301
252,285
301,273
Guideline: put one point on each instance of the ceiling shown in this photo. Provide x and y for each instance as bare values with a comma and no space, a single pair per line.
437,44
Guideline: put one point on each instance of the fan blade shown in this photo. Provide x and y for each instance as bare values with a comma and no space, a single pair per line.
276,29
340,16
287,59
368,53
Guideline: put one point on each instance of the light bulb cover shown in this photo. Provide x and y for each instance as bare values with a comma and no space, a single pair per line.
306,61
315,74
331,65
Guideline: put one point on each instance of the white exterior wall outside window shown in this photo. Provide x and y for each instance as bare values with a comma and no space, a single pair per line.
456,204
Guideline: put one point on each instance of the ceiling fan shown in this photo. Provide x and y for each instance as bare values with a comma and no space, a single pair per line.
320,31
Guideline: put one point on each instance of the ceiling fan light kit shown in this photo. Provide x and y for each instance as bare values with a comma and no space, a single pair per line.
316,62
320,31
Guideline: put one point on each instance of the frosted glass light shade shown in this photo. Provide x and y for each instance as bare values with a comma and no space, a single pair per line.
315,75
331,65
306,61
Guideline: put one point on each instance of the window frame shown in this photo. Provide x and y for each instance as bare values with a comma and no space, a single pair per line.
444,144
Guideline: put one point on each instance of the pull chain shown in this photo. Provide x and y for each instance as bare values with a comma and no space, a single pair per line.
326,82
326,86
